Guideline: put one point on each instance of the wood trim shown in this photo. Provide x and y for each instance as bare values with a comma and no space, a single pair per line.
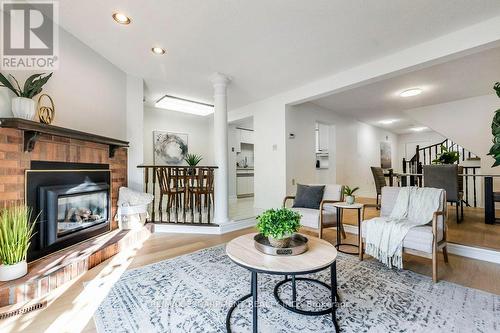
33,129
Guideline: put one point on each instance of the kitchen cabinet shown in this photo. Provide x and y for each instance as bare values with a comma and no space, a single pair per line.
244,183
246,136
322,138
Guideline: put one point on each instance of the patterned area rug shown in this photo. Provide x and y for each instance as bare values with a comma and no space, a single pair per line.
192,293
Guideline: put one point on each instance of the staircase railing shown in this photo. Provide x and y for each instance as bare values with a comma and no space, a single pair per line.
425,156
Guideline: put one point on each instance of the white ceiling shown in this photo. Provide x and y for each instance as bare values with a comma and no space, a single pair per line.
469,76
266,46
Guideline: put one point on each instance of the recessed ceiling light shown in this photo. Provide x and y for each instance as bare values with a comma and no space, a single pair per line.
184,105
387,121
411,92
158,50
121,18
418,129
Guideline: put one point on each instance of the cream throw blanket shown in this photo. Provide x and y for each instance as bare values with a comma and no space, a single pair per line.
384,235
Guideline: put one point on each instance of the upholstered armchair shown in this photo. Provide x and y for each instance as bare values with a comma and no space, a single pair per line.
326,215
424,241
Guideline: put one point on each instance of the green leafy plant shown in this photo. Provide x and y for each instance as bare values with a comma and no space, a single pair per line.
32,86
495,130
446,156
350,191
278,223
15,234
193,159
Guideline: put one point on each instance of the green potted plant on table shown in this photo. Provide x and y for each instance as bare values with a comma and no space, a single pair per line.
446,156
192,160
15,234
279,225
349,194
23,106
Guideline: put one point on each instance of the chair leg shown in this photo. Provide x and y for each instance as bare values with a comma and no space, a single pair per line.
342,230
159,207
434,265
458,216
377,203
461,210
445,254
361,249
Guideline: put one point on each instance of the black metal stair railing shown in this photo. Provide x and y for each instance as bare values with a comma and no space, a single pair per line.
426,155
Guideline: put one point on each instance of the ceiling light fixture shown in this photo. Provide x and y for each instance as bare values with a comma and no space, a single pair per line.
158,50
121,18
418,129
387,121
411,92
184,105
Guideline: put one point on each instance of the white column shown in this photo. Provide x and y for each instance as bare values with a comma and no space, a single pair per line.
135,132
220,82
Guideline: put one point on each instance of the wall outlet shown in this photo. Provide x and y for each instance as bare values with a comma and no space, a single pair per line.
293,181
275,147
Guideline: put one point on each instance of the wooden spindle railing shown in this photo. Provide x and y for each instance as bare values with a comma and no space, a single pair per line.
181,194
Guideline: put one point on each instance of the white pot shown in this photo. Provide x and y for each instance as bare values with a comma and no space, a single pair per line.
24,108
12,272
349,199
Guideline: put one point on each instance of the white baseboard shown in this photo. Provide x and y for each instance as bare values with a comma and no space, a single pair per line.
237,225
181,228
457,249
186,229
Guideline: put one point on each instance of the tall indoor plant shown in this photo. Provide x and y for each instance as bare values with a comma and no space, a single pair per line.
495,130
15,234
278,225
23,106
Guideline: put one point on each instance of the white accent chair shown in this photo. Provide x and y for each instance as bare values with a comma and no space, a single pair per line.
326,215
424,241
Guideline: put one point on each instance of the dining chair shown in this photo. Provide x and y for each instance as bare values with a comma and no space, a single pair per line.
379,178
446,177
172,184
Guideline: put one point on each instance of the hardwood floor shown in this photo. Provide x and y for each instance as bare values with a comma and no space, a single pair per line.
71,308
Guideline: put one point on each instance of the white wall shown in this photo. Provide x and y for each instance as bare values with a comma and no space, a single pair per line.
199,131
89,92
269,114
354,147
135,135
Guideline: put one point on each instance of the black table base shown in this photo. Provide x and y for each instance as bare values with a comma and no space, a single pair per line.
339,241
333,288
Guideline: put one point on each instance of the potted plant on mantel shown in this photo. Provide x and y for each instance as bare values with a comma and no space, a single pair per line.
15,234
349,194
23,106
279,225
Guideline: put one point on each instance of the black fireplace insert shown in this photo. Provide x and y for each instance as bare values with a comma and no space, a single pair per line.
72,202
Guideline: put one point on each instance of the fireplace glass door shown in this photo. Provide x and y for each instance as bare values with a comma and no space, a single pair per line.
80,211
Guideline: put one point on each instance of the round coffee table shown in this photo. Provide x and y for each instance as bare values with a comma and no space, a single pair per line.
320,255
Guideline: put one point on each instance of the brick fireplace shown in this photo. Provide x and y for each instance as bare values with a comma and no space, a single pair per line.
99,165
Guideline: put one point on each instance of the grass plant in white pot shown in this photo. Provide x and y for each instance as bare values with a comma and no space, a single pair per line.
279,225
23,105
15,234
